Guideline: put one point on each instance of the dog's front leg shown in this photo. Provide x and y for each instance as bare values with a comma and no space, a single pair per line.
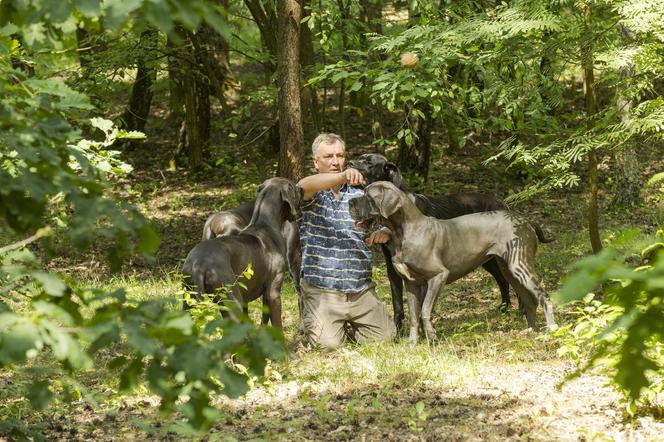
415,297
433,289
274,299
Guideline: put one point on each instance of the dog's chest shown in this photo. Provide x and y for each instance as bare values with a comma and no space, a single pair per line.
411,269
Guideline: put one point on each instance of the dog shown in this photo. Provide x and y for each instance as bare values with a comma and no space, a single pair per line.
218,262
232,221
428,252
375,167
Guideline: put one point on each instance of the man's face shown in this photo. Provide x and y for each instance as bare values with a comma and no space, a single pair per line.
330,158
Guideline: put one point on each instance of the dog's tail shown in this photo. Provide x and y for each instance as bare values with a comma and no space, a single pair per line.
541,235
207,228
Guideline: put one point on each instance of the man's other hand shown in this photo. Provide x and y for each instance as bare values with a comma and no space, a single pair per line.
380,236
353,177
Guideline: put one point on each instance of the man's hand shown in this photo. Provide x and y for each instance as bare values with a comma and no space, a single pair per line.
380,236
354,177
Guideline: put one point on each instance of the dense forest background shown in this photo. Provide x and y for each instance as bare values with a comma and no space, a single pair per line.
124,124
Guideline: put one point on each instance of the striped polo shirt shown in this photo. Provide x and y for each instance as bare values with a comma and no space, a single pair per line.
334,254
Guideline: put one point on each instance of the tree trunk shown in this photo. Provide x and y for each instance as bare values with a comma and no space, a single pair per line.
196,87
291,156
372,15
90,45
138,110
628,177
416,154
175,74
212,49
307,61
266,20
591,110
341,115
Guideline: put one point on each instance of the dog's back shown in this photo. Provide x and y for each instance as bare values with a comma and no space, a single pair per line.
457,204
228,222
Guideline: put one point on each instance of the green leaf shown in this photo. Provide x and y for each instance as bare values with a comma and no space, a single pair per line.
356,86
235,384
102,124
40,395
17,337
89,8
34,33
129,376
149,239
51,283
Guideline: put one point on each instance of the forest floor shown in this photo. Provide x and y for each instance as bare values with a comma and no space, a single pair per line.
485,378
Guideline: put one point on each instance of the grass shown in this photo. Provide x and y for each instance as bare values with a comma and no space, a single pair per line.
483,378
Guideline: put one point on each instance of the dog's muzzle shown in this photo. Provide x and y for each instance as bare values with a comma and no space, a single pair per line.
359,210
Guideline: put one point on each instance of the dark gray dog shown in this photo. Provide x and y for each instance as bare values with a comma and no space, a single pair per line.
429,253
232,221
375,167
217,262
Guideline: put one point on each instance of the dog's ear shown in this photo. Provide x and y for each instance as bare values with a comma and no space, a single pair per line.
292,196
394,174
259,189
387,200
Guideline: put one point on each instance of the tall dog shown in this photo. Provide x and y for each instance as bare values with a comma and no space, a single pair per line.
217,262
375,167
232,221
428,252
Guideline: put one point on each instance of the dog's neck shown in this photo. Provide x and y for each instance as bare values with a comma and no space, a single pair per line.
269,214
408,215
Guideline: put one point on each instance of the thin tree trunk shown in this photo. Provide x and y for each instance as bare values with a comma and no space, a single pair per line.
90,45
591,110
307,61
136,115
175,75
416,154
266,20
212,49
343,9
628,176
196,87
291,156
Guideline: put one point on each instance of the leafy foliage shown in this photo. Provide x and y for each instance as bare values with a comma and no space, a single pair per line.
186,362
509,71
624,332
56,162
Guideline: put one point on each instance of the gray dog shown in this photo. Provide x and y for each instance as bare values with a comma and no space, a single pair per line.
217,262
232,221
429,253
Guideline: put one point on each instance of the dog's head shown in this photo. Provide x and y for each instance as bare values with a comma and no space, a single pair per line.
375,167
381,201
284,190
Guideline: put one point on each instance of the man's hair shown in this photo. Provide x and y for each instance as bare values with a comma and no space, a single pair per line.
325,138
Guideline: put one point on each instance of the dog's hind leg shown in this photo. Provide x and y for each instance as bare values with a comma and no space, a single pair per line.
525,281
493,268
273,298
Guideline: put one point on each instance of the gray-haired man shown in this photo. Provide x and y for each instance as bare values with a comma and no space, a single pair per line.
337,289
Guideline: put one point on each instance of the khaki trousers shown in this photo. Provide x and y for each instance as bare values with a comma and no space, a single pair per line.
330,317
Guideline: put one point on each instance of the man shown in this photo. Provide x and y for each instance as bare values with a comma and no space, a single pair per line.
337,291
